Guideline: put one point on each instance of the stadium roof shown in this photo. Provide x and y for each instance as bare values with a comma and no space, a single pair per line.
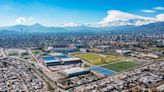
70,59
74,70
55,54
50,59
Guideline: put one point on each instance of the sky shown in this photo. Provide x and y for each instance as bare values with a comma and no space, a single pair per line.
56,12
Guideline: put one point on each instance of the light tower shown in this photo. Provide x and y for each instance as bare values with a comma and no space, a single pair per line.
21,28
21,25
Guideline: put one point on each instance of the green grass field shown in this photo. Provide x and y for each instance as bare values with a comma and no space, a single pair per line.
35,52
120,66
97,59
110,53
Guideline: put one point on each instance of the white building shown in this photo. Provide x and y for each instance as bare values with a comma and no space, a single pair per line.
74,71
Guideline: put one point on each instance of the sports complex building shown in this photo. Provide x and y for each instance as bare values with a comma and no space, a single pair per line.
60,60
64,48
74,71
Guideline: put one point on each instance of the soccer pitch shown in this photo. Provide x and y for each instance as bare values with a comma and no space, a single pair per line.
97,59
120,66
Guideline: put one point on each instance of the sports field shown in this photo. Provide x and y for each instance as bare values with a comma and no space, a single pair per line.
110,53
96,59
120,66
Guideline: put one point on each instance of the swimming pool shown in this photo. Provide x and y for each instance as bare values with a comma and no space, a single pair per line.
102,70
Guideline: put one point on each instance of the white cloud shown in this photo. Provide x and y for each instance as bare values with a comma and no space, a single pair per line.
160,17
158,8
118,18
23,20
71,24
30,18
148,11
20,20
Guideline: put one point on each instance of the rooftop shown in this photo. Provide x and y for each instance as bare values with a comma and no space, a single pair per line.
74,70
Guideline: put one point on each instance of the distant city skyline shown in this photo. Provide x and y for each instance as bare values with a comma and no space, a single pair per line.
70,12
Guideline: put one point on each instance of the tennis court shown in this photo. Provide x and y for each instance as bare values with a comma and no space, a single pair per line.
101,70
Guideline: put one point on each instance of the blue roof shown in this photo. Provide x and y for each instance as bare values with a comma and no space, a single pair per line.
101,70
49,58
64,49
63,56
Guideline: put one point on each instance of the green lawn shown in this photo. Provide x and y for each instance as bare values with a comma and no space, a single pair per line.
110,53
97,59
35,52
120,66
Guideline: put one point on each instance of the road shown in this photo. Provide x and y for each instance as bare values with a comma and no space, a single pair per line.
3,53
38,68
34,67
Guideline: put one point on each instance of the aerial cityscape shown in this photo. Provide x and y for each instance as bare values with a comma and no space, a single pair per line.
82,46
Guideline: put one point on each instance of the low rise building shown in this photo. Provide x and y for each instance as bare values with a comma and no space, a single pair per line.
74,71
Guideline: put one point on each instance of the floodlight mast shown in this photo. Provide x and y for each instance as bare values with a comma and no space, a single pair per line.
22,26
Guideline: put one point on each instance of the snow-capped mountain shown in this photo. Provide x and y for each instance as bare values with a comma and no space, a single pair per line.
71,24
134,22
153,27
119,18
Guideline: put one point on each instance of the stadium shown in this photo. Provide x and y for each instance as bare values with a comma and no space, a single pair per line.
74,71
63,48
60,62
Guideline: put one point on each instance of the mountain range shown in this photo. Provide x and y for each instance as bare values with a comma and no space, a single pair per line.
150,27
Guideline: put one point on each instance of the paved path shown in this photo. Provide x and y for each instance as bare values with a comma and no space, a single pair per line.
3,52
